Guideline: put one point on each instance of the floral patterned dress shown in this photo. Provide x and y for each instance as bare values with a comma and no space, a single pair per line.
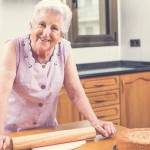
34,97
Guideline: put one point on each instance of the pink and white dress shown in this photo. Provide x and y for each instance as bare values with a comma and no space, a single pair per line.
34,97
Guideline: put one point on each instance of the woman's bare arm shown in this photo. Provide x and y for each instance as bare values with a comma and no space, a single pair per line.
77,95
7,75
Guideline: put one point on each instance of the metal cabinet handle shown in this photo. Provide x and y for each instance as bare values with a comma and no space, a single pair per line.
100,101
102,116
99,85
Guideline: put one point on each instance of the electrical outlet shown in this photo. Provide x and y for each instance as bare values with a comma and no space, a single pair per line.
135,42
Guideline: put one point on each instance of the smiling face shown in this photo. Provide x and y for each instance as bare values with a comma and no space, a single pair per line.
46,31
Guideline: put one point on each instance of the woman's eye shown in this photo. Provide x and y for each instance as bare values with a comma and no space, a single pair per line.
54,28
43,25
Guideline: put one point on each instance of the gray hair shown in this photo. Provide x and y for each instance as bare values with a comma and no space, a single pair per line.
57,6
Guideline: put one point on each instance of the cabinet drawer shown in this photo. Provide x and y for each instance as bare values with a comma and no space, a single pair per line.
100,83
99,99
108,113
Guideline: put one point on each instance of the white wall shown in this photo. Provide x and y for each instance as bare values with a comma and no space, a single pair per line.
135,24
15,16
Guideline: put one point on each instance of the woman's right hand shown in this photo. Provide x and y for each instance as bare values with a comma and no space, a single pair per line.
4,141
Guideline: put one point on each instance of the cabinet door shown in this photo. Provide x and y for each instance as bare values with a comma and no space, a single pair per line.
101,91
103,94
135,100
66,111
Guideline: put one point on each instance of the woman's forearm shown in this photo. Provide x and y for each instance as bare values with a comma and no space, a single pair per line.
6,82
3,112
75,90
82,103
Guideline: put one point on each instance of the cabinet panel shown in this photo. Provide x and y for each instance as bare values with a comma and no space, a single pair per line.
104,98
135,100
100,83
108,113
66,111
103,94
110,96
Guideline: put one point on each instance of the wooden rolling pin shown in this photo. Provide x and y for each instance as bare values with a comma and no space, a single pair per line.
52,138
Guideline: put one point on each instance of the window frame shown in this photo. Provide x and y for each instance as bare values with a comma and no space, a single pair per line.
108,39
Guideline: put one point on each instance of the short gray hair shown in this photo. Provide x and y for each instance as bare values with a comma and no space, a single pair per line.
57,6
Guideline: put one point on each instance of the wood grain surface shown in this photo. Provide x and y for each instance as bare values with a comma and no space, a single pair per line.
52,138
64,146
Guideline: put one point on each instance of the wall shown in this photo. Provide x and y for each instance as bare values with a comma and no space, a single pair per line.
15,16
135,24
100,54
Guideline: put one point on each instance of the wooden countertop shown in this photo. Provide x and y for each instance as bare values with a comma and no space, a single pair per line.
106,144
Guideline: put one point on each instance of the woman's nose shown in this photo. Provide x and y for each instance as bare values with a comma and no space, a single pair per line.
47,32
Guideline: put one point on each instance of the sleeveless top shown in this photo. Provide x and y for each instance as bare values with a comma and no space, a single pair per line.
34,97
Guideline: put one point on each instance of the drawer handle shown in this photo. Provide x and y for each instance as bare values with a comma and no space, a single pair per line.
102,116
100,100
99,85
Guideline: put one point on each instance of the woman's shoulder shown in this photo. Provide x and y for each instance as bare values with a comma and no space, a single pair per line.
22,39
65,41
9,44
65,44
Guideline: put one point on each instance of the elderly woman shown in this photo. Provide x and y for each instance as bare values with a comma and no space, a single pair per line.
32,71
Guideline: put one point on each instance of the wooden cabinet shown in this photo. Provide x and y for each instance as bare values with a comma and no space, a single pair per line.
66,111
135,100
122,99
103,94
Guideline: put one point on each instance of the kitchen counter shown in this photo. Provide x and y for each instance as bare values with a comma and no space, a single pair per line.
106,144
111,68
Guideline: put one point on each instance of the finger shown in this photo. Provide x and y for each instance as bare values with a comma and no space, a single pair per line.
1,142
114,129
4,145
102,131
6,142
108,129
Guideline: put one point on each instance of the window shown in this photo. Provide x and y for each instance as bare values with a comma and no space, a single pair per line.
94,23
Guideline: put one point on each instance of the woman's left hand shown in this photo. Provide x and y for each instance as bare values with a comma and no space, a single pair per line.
106,128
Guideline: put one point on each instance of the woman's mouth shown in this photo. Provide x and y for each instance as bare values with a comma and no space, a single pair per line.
44,39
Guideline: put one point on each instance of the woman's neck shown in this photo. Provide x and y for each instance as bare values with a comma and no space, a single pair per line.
42,57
